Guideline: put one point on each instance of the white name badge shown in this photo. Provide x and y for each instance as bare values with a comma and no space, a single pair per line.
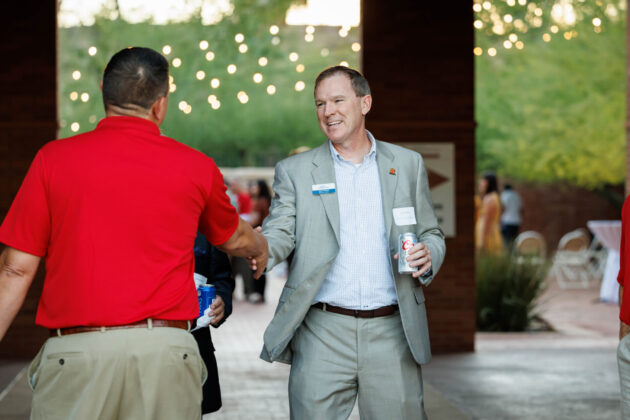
404,216
323,189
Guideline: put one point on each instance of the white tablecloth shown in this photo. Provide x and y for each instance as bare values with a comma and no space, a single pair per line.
608,232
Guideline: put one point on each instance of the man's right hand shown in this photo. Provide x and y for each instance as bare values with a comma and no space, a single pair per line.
246,242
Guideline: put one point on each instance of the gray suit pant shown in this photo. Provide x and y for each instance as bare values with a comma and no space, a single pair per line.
338,357
623,360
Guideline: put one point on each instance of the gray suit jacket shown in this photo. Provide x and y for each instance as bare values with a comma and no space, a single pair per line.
309,224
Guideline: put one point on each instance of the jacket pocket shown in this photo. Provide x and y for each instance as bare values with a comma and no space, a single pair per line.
419,295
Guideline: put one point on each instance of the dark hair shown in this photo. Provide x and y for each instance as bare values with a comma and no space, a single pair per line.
135,77
263,189
491,178
359,83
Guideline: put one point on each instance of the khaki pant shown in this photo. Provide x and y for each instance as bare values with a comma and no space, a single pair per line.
137,373
338,357
623,360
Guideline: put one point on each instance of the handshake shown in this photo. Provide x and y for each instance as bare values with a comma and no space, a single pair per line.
249,243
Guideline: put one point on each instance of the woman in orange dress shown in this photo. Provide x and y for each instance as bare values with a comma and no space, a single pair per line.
487,221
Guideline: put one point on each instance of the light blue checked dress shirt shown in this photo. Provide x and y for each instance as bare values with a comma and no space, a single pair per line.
361,275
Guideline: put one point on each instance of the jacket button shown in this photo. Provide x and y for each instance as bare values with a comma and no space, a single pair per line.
185,356
61,361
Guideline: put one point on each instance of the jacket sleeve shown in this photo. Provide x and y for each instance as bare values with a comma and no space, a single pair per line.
279,226
429,232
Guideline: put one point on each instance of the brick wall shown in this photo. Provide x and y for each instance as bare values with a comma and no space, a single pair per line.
418,58
28,119
554,210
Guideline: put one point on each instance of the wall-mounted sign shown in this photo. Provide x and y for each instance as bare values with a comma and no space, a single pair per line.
439,159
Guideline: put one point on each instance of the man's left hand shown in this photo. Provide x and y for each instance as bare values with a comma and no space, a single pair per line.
419,256
218,310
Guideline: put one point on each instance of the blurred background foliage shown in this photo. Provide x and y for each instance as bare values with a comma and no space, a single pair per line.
258,132
551,91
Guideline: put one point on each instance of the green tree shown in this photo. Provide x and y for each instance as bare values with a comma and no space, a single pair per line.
258,132
554,110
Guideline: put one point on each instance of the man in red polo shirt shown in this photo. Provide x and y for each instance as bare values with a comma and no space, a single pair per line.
115,212
623,350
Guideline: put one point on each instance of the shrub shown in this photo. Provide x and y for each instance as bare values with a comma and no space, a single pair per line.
507,291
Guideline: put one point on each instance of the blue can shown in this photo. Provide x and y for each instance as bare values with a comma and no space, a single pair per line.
206,293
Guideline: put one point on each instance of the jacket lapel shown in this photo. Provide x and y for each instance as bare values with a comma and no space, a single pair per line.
324,173
388,173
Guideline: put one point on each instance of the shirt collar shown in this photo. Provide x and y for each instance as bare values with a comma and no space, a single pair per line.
370,155
124,122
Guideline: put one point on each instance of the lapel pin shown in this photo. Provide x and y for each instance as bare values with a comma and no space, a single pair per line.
392,171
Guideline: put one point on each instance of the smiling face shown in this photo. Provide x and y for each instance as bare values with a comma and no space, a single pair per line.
340,112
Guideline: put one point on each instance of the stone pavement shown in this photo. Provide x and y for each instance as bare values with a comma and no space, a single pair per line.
569,373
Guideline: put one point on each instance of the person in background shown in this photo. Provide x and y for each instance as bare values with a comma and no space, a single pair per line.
261,200
511,216
487,232
214,266
115,212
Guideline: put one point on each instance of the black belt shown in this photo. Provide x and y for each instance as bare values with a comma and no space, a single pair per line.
373,313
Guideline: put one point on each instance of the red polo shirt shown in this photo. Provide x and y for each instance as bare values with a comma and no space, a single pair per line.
115,212
624,262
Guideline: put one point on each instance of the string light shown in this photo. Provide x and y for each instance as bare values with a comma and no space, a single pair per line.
273,30
492,52
215,83
344,63
182,105
519,45
275,40
257,77
546,37
242,97
203,45
356,47
209,56
76,75
294,56
188,109
478,24
324,52
231,69
92,50
343,33
74,96
309,37
271,90
75,126
299,86
597,21
85,97
216,105
310,29
299,68
177,62
200,75
477,51
507,44
513,37
477,7
166,49
239,38
242,48
172,88
262,61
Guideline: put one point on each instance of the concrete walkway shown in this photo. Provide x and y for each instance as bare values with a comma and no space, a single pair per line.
566,374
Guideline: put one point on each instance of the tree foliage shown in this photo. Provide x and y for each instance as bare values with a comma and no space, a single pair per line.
258,132
553,110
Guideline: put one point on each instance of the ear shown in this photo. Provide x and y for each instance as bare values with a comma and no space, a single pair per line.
158,110
366,104
101,85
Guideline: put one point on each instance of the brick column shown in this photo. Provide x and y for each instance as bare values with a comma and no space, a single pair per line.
418,58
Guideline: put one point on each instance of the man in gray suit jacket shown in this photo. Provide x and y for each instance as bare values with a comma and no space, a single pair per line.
348,323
